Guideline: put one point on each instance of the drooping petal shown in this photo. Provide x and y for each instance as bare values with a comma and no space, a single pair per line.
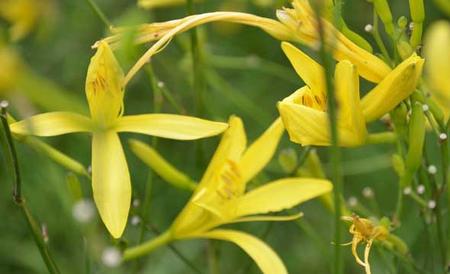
350,114
396,87
309,70
52,123
111,184
281,194
171,126
266,259
305,125
104,86
267,218
261,151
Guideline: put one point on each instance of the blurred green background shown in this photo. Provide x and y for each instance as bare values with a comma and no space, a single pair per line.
246,74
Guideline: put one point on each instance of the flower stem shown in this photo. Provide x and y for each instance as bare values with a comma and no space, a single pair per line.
197,63
334,151
100,14
18,198
147,247
381,138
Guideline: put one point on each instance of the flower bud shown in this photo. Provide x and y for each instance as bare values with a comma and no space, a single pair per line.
104,86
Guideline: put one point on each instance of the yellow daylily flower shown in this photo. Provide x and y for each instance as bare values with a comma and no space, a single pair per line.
365,231
220,198
437,69
110,176
302,21
304,113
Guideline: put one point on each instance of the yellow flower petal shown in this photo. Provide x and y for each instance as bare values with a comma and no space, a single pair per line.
266,259
52,123
309,70
350,115
261,151
111,184
396,87
170,126
104,86
163,168
305,125
281,194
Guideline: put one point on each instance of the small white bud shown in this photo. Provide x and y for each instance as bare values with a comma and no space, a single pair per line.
135,220
111,257
367,192
4,104
407,190
368,28
411,25
432,169
89,169
83,211
443,136
425,108
352,201
161,84
136,203
420,189
431,204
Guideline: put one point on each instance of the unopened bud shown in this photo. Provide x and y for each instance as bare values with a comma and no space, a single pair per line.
111,257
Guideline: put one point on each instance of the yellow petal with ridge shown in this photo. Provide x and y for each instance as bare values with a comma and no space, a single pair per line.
171,126
52,124
111,183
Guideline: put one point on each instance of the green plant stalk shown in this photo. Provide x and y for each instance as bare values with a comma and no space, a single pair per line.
18,199
100,14
197,63
417,11
334,151
147,247
376,35
382,138
157,105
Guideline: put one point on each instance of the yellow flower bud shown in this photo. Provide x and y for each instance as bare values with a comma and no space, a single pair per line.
104,87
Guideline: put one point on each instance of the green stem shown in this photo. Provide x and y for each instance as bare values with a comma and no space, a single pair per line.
334,151
376,35
100,14
382,138
147,247
197,62
18,199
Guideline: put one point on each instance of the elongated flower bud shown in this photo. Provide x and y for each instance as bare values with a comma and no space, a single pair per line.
104,86
416,138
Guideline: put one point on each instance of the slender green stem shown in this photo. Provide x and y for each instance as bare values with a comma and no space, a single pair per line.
334,151
197,62
100,14
18,198
147,247
382,138
378,40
